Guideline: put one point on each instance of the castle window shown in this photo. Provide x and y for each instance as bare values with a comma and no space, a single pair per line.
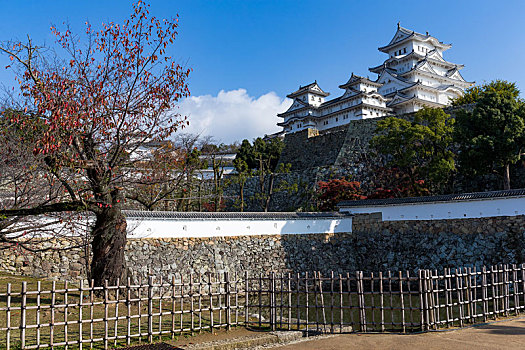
319,99
405,50
313,98
336,119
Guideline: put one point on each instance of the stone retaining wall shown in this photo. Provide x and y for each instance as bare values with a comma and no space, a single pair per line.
374,245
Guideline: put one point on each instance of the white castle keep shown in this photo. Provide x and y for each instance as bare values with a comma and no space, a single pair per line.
414,75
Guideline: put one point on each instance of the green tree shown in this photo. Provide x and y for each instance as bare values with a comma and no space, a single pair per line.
491,136
243,173
261,159
266,151
474,93
421,148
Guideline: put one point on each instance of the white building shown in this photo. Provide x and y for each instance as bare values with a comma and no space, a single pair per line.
414,75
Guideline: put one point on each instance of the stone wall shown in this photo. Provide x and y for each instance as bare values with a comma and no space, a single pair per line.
306,149
374,245
315,156
344,150
65,259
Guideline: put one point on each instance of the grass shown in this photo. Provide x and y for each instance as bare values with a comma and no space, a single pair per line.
336,312
388,312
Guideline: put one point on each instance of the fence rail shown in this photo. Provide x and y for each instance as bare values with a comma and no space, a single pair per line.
82,316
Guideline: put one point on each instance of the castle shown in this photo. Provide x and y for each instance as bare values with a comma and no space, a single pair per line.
414,75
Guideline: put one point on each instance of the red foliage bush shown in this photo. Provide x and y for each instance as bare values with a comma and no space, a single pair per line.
393,183
210,206
333,191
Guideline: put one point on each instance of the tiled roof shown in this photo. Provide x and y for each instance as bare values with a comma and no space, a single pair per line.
412,34
354,79
428,199
308,88
139,214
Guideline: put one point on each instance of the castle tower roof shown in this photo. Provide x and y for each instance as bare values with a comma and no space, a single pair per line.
404,35
356,79
312,88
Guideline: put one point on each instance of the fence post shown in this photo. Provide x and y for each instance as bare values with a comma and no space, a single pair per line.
80,314
306,301
272,301
431,302
422,307
484,293
150,309
8,316
227,290
23,306
506,289
106,300
361,300
515,289
522,270
246,298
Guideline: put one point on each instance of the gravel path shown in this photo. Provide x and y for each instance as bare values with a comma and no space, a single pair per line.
504,335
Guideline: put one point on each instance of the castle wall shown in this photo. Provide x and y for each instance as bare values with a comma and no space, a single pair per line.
307,149
346,148
437,210
339,152
373,245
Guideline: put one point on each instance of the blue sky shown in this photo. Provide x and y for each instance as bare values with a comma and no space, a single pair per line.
256,52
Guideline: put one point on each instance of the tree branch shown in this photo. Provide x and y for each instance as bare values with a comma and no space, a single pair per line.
44,209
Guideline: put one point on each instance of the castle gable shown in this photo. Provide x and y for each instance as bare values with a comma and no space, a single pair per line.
400,35
455,74
297,104
425,66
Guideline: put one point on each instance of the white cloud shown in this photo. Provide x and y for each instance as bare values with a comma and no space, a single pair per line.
233,115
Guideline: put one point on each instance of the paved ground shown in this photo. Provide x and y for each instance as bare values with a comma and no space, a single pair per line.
500,335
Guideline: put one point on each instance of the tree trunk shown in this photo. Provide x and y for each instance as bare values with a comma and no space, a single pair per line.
241,185
270,192
261,182
200,196
109,242
506,183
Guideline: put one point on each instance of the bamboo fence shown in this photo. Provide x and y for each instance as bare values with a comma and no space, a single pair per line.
84,316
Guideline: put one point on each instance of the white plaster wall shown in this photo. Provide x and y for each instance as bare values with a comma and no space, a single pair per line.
407,46
426,45
391,84
440,70
315,101
173,228
413,46
446,210
444,98
138,227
